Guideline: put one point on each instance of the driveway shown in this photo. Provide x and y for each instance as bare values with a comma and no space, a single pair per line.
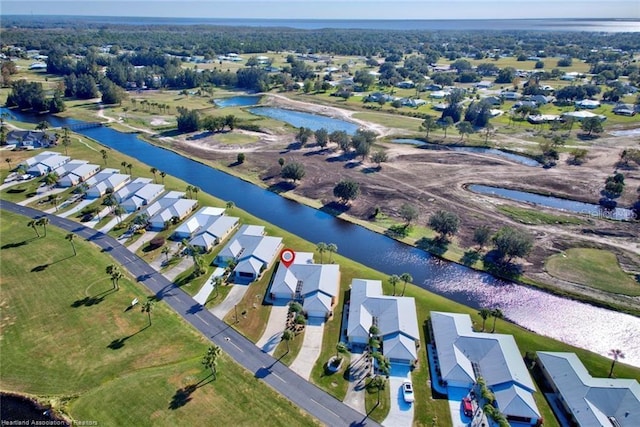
400,412
455,395
357,382
275,326
146,237
77,208
203,294
234,296
311,348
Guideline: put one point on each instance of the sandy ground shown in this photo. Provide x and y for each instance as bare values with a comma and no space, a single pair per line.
434,179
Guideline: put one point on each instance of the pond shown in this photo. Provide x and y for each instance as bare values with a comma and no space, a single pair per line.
531,308
238,101
619,214
527,161
299,119
18,408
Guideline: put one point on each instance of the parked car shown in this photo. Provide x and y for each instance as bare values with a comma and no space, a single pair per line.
467,407
407,391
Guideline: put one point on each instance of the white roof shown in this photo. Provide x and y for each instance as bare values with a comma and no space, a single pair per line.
250,244
71,165
496,358
199,220
324,278
592,400
39,157
216,228
111,181
394,315
167,207
100,176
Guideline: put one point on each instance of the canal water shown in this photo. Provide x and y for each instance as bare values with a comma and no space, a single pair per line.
575,323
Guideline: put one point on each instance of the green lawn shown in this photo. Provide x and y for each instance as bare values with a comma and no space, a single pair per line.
593,267
534,217
66,335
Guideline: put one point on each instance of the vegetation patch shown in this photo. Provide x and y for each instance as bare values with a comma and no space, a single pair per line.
536,217
593,267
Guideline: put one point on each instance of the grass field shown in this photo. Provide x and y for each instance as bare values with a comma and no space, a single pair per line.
595,268
534,217
67,337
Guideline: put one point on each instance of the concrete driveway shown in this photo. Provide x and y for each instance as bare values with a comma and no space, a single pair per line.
311,348
234,296
400,412
275,326
455,395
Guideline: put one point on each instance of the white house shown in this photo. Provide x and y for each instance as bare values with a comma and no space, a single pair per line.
581,115
589,401
464,355
45,162
395,317
252,252
207,227
510,96
170,206
105,180
138,193
77,171
315,286
587,103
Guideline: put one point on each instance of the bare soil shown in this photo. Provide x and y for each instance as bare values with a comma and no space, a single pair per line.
433,180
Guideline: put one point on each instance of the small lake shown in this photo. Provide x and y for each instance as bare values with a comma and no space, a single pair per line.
299,119
527,161
17,408
619,214
531,308
238,101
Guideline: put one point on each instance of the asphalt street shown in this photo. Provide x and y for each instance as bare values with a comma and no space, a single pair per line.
302,393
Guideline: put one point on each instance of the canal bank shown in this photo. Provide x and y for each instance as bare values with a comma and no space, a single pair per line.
532,309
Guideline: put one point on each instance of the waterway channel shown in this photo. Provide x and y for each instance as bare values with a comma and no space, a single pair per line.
573,322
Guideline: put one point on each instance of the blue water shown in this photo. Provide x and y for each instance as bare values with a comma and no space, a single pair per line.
299,119
237,101
591,25
483,150
554,202
528,307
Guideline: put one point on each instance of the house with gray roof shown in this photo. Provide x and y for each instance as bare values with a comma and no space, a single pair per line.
252,252
463,356
76,171
589,401
104,181
206,228
45,162
138,193
394,316
31,139
315,286
172,206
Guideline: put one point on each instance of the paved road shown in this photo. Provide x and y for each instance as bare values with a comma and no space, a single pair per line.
305,395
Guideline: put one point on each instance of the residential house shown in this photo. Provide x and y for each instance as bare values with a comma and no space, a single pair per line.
439,94
251,251
510,96
77,171
581,115
104,181
492,100
138,193
407,84
45,163
206,228
541,99
485,84
587,401
378,97
394,316
587,103
463,356
542,118
530,104
31,139
171,207
315,286
412,102
624,110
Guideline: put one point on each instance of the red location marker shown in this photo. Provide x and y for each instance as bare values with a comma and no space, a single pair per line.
287,256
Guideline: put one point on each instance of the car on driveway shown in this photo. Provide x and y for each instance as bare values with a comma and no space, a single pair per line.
407,391
467,407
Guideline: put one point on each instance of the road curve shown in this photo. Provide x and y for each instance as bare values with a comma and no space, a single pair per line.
305,395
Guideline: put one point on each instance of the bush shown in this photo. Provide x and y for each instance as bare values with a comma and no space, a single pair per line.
241,158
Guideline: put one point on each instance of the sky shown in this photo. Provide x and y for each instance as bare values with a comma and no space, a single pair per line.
331,9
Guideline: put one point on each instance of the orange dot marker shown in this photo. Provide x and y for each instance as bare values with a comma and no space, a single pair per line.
287,256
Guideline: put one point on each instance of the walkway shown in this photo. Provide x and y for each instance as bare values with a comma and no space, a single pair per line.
232,299
400,412
311,348
357,382
275,326
175,271
77,208
306,396
203,294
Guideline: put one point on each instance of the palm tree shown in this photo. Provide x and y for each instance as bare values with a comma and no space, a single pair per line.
105,156
44,221
130,167
33,224
166,252
616,354
162,175
8,160
210,359
124,166
43,125
195,191
54,201
287,335
405,277
332,248
188,190
119,211
217,282
51,178
341,348
70,238
147,307
66,140
154,171
230,205
321,247
394,280
496,313
115,273
484,313
378,382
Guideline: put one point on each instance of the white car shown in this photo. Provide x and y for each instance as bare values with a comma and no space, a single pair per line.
407,391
